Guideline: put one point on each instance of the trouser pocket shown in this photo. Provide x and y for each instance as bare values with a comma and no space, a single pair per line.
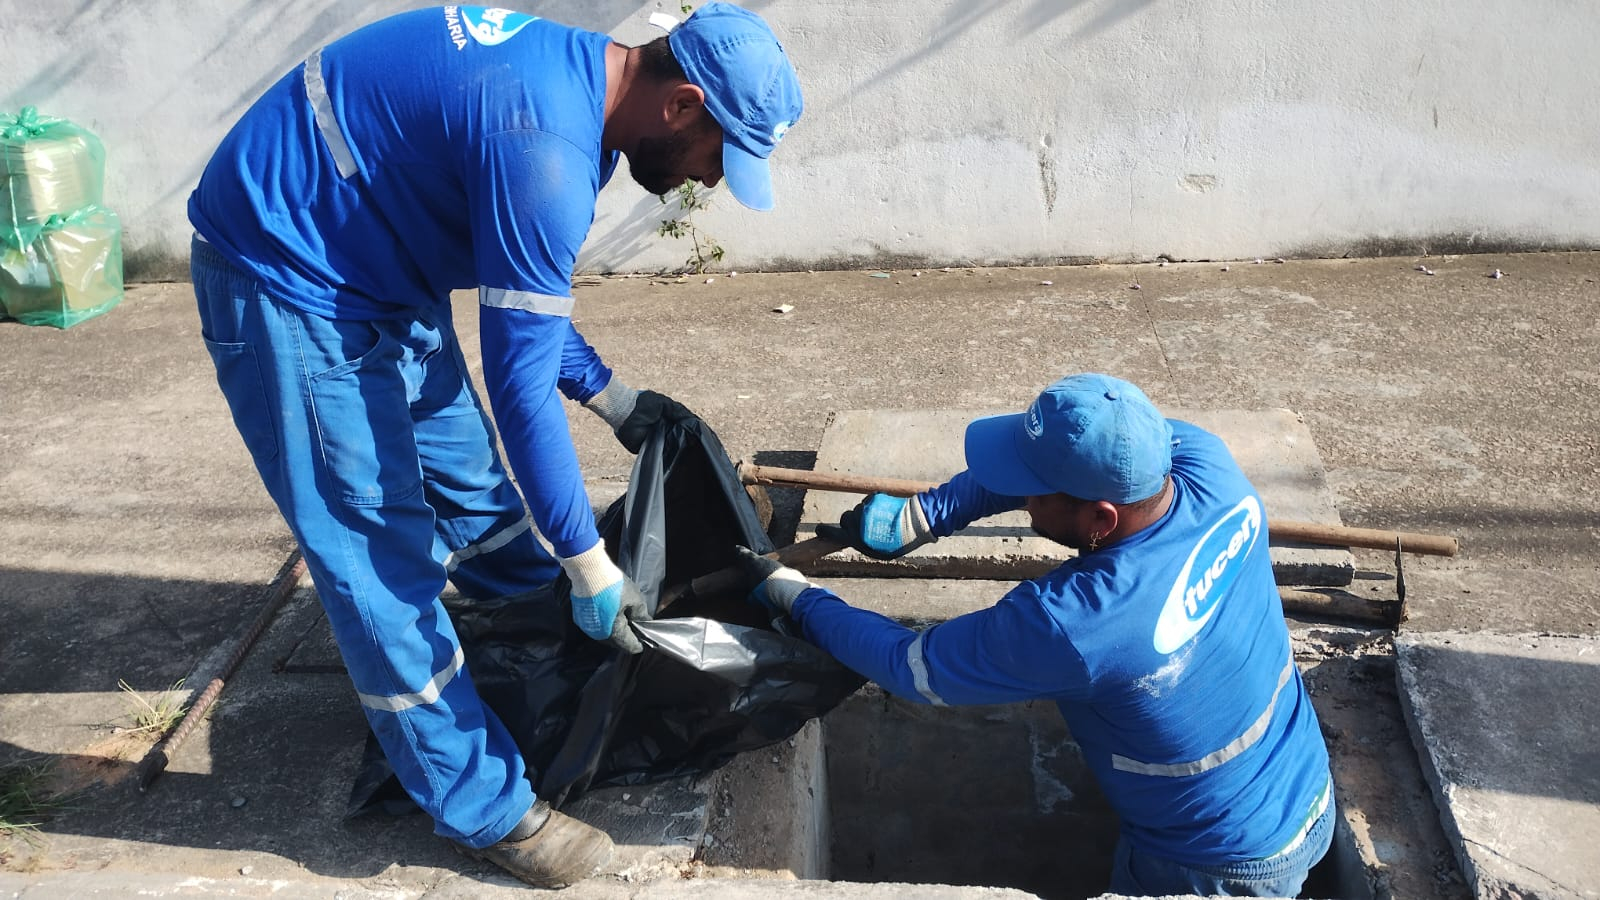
363,417
239,377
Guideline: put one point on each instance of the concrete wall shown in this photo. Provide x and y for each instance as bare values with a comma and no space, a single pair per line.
949,131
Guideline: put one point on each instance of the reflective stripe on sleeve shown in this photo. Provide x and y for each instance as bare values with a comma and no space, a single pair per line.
488,545
1216,758
919,671
317,93
429,694
546,304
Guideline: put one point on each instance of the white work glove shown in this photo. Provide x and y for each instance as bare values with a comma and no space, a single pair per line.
604,599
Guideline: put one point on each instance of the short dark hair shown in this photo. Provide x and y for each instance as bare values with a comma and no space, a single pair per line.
657,62
1149,503
1143,505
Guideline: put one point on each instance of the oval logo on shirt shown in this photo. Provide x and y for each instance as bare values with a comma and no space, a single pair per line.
1213,565
492,26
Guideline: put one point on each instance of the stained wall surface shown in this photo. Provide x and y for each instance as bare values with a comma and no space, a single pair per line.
972,131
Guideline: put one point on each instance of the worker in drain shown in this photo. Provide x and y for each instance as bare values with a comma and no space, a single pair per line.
441,149
1162,642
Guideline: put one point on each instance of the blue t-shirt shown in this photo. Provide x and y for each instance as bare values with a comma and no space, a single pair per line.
1166,653
439,149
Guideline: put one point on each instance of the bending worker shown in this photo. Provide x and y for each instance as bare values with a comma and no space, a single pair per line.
1162,642
439,149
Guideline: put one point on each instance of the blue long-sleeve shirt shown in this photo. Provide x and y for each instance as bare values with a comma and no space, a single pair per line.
1166,653
439,149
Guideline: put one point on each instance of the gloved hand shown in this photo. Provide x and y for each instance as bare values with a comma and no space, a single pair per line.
632,413
603,599
882,527
769,582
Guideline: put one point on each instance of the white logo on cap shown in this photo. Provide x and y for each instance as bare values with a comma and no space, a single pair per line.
1033,422
779,130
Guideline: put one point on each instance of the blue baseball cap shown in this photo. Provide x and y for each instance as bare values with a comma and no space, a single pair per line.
1091,436
751,90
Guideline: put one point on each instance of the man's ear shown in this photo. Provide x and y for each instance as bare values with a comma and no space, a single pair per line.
1105,516
684,103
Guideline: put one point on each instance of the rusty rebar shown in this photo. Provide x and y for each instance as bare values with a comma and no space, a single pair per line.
283,584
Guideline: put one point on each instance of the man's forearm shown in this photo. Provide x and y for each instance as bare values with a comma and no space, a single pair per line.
868,643
961,501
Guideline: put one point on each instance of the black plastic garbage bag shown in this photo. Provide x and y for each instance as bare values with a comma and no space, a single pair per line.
715,678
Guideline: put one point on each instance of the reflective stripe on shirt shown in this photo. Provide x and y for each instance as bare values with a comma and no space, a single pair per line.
1216,758
430,693
919,671
547,304
317,93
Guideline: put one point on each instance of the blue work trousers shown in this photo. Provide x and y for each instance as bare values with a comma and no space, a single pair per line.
1138,874
376,449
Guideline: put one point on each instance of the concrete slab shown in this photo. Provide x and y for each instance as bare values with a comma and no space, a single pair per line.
1506,731
401,886
658,828
772,817
1274,447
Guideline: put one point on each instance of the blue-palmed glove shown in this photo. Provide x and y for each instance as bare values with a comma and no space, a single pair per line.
603,599
633,413
770,583
882,527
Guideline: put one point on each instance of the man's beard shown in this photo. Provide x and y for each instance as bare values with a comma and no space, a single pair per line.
658,162
1055,540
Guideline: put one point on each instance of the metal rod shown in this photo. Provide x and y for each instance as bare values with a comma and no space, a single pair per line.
283,584
1281,530
796,556
1383,613
801,554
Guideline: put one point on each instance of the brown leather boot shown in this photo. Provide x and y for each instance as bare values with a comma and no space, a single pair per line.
548,849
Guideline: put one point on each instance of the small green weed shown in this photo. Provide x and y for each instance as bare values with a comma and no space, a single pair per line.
158,717
707,252
26,799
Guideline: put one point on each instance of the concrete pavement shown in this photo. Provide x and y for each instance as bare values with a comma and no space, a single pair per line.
135,536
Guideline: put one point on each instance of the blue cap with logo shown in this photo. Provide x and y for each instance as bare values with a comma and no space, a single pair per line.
751,90
1091,436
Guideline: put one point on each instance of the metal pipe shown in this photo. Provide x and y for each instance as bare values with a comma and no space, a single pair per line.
1279,530
801,554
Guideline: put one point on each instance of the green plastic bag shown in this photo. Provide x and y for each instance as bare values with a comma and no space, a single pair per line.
49,167
70,272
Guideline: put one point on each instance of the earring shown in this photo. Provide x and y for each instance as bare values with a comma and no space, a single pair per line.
1094,541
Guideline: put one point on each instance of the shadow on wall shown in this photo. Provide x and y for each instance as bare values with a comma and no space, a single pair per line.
963,17
621,239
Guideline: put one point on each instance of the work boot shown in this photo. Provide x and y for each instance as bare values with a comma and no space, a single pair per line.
548,849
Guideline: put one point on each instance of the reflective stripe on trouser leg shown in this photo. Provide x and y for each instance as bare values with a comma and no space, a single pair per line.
485,538
335,450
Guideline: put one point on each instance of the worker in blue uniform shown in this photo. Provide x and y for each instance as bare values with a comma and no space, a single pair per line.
1162,642
441,149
